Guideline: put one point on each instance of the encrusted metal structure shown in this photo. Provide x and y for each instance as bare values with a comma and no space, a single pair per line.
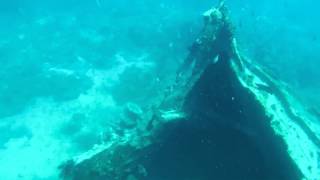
224,118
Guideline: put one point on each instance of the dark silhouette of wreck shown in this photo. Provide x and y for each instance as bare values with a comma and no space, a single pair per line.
225,118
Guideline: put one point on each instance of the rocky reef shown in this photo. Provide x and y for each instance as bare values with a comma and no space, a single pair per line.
223,118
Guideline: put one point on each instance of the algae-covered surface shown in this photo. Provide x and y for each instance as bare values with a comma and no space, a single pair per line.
159,90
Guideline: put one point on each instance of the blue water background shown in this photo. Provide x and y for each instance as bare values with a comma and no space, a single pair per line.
48,48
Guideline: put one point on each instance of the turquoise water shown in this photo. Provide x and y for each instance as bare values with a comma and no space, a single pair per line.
68,68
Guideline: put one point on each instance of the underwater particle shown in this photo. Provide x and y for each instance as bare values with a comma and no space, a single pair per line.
216,59
21,36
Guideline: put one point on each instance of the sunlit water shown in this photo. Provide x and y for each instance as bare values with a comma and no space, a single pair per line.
67,68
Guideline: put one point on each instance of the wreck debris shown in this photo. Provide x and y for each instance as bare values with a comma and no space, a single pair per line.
217,122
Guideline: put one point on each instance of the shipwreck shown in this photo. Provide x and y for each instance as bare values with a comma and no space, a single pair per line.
224,118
